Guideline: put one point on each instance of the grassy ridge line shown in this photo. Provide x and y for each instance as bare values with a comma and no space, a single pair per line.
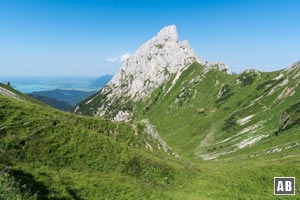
21,95
65,156
196,118
48,147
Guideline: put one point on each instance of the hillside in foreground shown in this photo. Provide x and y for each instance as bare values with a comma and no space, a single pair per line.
213,115
240,130
193,131
48,154
201,109
56,155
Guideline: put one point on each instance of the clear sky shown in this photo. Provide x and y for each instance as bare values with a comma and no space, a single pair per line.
83,37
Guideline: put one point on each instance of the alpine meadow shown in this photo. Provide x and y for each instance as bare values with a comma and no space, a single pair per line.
168,125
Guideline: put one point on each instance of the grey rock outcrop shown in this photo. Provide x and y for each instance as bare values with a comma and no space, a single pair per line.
152,64
148,68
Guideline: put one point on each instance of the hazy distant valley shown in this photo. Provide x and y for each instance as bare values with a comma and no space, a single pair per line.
59,92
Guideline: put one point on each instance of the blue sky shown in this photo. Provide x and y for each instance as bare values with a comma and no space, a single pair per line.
75,37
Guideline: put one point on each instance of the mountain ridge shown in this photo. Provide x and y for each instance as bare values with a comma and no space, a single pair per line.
72,97
200,92
153,64
58,104
202,134
49,154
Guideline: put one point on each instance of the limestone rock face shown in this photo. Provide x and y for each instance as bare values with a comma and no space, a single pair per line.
148,68
151,65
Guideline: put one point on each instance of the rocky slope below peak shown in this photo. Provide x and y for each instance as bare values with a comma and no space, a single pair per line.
157,61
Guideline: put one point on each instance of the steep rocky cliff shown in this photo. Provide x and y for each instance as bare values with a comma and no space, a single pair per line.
153,64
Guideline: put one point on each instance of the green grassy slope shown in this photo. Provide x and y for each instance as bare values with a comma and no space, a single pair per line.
56,155
210,114
204,117
238,131
64,156
10,189
20,95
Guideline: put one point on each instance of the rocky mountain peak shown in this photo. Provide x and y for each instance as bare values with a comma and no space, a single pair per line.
168,33
153,63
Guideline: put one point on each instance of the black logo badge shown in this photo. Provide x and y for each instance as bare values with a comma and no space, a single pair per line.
284,185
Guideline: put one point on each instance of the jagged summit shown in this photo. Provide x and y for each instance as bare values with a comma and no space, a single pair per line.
155,62
169,32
